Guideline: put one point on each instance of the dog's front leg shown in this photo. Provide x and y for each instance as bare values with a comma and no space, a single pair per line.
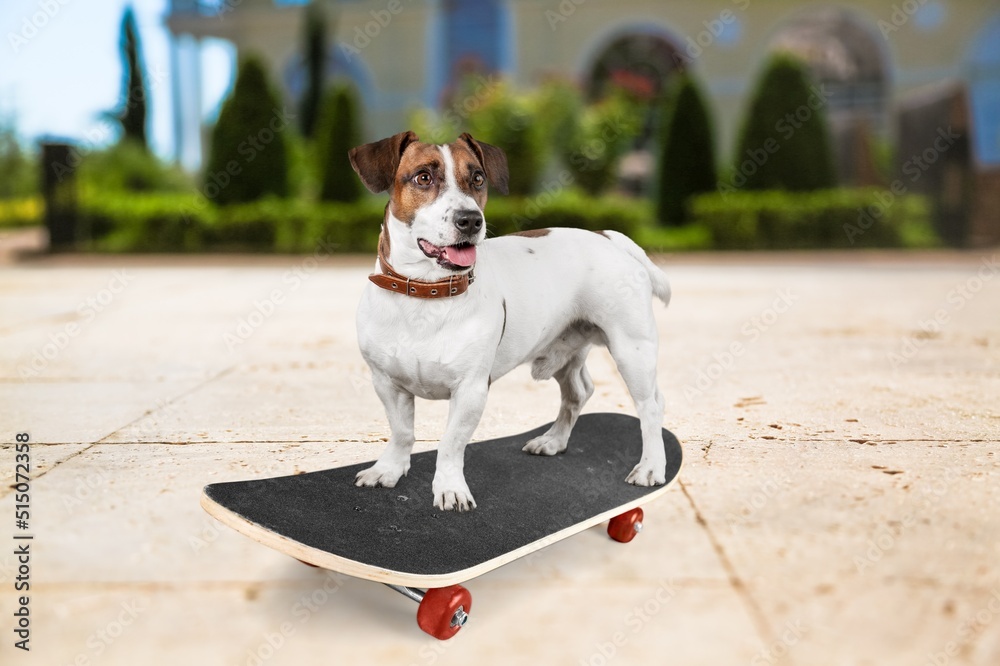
465,409
395,459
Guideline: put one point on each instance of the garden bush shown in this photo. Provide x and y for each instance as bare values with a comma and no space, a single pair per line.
687,152
509,121
603,132
842,218
338,132
128,166
250,137
559,104
785,140
838,218
116,222
123,222
567,208
21,212
19,168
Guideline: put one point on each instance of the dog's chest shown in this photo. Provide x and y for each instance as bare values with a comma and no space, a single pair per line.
428,347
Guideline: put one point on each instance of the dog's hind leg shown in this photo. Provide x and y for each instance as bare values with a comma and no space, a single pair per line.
576,388
635,354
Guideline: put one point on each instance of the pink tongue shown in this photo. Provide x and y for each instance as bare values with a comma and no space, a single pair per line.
460,256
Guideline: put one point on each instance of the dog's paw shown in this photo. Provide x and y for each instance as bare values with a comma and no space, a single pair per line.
647,474
545,445
381,474
452,496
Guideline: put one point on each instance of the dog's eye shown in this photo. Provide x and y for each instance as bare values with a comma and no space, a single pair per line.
478,180
422,179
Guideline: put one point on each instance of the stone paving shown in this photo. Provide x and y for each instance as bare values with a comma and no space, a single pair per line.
839,503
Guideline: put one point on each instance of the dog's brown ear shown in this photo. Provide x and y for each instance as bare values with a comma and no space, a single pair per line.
376,163
494,162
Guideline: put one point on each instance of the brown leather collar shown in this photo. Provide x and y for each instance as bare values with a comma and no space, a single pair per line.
390,280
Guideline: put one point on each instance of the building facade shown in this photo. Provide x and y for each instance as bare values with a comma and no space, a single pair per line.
872,56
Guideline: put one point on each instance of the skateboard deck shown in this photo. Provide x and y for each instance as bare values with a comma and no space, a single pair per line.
396,536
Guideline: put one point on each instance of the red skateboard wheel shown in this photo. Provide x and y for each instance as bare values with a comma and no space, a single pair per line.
444,610
623,528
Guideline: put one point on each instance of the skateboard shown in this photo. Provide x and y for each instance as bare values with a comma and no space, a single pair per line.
397,537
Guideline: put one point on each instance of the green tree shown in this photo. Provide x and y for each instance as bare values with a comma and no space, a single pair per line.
603,132
315,63
337,133
559,105
509,121
785,141
687,151
133,116
18,169
249,156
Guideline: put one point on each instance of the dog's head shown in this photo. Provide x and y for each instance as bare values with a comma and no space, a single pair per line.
437,191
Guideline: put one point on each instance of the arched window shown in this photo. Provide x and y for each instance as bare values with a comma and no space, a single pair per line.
844,56
641,63
847,62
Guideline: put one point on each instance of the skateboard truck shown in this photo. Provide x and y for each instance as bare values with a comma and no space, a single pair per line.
442,611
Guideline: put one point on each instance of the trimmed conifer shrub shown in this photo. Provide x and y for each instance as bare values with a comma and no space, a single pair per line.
785,142
337,133
687,152
248,158
314,43
133,116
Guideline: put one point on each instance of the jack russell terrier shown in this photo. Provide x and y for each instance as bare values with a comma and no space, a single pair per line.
428,327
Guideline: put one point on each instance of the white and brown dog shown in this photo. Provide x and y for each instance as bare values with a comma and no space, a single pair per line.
541,297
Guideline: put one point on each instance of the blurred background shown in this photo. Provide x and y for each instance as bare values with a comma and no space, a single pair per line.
223,125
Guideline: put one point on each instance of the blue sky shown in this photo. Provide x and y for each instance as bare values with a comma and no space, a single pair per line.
60,68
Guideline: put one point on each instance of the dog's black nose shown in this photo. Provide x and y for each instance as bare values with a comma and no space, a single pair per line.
468,221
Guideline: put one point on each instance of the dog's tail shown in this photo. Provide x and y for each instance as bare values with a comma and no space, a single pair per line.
661,287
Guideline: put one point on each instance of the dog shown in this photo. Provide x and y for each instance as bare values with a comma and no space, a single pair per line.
448,311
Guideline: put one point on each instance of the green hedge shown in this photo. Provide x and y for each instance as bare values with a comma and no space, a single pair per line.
185,223
188,223
741,220
567,208
839,218
21,212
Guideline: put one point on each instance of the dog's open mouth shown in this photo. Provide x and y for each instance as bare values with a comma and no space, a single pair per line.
453,257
